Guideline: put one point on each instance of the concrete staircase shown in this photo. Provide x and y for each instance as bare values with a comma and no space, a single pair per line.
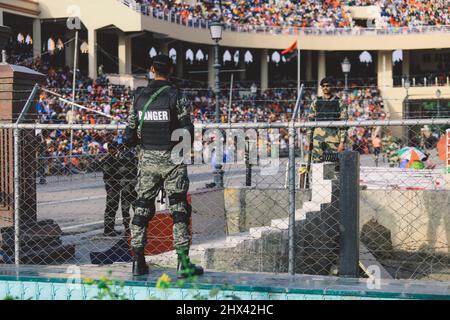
265,249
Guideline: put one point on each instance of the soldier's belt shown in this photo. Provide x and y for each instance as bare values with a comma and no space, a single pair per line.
330,156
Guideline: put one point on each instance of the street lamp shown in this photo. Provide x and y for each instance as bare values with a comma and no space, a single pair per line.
346,66
438,95
407,85
216,35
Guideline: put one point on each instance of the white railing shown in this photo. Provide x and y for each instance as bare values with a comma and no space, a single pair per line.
199,23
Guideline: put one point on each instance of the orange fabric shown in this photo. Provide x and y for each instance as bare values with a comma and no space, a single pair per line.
442,146
290,49
376,143
414,157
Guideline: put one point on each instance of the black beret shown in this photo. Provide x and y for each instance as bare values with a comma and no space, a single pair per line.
162,60
330,80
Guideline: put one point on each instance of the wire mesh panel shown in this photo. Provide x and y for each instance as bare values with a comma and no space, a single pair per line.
404,217
81,206
6,177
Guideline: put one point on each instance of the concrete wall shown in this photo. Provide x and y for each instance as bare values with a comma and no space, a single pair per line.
416,219
29,8
394,99
208,215
237,210
363,12
128,80
248,207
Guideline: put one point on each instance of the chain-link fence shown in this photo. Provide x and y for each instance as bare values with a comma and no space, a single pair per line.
385,210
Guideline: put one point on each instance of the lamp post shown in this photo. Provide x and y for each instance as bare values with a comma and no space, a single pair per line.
438,96
216,35
407,85
346,66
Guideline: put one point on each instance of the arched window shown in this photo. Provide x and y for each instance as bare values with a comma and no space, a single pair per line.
173,55
190,55
20,38
365,57
226,56
199,56
276,57
397,56
51,45
152,52
248,58
236,57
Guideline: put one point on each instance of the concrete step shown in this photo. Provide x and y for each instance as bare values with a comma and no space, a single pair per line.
220,243
238,238
322,192
257,231
311,206
280,223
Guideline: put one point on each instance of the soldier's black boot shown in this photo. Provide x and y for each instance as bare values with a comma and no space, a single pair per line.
108,230
186,268
140,267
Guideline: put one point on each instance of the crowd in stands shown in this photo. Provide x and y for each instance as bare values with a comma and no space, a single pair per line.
258,13
106,103
323,14
414,13
273,105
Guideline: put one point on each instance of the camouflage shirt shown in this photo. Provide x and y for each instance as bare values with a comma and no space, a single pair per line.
342,132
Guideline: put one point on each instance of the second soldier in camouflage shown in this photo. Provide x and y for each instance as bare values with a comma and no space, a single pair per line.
327,108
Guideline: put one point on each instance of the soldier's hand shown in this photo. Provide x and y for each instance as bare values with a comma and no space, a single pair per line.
341,147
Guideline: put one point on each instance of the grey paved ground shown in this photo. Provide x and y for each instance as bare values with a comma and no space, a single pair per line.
77,202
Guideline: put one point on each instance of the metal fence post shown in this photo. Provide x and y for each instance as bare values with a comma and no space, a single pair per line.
291,169
16,197
349,215
248,166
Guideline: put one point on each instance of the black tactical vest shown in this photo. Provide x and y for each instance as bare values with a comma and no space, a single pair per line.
328,109
160,120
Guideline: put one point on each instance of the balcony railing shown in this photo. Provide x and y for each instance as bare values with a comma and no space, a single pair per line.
174,17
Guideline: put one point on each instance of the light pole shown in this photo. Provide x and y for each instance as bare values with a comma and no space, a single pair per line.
216,35
407,85
438,96
346,66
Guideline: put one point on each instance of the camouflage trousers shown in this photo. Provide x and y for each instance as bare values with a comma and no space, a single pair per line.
155,169
116,193
325,139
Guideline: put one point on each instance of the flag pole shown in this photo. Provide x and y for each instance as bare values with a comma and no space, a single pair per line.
298,97
298,71
75,58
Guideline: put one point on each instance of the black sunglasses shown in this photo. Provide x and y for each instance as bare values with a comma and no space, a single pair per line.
326,86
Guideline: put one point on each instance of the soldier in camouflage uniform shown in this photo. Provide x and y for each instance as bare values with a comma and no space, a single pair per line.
328,107
391,146
119,174
160,110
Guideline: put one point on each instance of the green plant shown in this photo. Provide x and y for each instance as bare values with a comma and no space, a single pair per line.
107,288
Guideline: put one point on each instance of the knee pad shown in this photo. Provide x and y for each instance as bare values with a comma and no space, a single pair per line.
145,203
140,221
177,198
180,217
